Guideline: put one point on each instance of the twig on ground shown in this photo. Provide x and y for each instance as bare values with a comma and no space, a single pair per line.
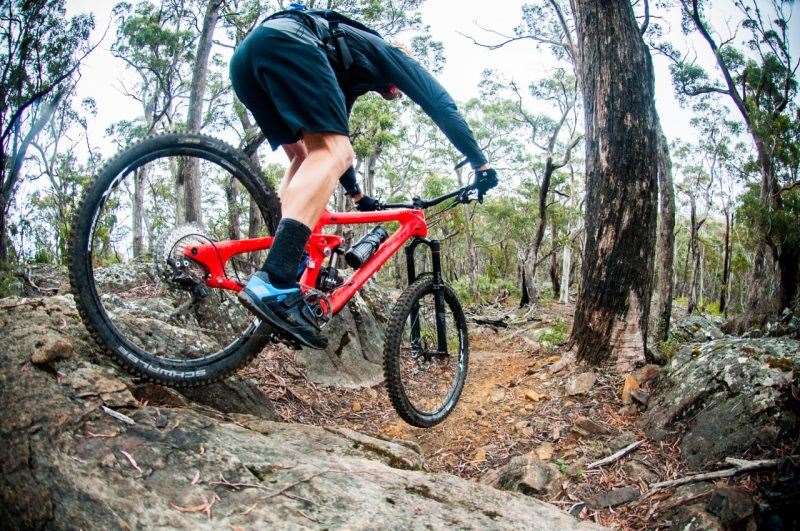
616,455
119,416
740,466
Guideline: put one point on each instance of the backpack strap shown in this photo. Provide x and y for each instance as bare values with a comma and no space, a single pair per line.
343,55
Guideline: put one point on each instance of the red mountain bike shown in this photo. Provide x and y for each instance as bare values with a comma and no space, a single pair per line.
158,293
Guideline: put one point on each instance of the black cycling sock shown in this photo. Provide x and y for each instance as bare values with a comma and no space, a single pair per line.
287,250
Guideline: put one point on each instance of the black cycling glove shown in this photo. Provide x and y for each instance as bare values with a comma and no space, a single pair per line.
367,204
485,180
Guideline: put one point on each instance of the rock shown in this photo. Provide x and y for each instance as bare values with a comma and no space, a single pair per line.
639,470
730,396
526,474
581,383
585,426
621,441
695,518
630,384
640,396
696,328
354,356
51,324
64,463
51,350
233,396
613,497
533,396
545,451
647,373
731,506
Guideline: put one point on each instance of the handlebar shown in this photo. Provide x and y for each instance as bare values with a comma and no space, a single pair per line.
462,195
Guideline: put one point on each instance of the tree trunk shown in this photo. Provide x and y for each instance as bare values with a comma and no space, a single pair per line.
4,243
726,265
665,243
531,294
190,178
137,211
566,267
372,167
554,270
694,255
232,200
701,281
621,168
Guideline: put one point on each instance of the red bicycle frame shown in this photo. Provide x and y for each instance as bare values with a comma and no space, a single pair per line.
214,256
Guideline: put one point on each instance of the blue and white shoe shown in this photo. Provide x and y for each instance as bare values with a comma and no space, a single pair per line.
285,309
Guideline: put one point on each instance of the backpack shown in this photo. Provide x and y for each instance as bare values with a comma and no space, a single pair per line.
336,45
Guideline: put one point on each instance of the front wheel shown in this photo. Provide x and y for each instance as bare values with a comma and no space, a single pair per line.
427,353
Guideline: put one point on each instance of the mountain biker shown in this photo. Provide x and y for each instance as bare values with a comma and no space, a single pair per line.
299,73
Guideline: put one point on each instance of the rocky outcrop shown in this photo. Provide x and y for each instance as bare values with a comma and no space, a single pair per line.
729,396
83,446
354,356
697,328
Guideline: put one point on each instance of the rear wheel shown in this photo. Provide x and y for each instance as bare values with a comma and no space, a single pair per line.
141,299
427,353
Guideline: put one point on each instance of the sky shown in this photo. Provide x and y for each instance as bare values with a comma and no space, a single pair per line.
102,75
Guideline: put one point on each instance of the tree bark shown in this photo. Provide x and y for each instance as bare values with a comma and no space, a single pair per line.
137,211
694,253
726,264
566,268
621,167
665,243
554,271
531,294
232,201
189,179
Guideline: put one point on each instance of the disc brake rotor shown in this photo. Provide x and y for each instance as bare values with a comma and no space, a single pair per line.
174,267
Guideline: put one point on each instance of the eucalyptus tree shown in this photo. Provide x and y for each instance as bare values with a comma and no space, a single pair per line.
757,75
55,161
40,55
622,153
155,42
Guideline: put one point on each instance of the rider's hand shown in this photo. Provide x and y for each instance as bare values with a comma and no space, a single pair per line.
485,180
367,204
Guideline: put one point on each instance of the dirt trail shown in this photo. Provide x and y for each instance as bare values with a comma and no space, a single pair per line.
511,405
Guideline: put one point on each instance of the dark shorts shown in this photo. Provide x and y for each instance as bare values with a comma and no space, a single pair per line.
283,76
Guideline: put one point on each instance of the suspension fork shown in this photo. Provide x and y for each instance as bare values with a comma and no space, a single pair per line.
438,295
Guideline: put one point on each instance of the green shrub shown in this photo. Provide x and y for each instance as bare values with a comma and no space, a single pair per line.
554,335
669,347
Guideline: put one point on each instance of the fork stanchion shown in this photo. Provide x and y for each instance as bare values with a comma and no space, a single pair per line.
438,298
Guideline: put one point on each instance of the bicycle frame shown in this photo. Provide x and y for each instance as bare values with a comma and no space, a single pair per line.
214,256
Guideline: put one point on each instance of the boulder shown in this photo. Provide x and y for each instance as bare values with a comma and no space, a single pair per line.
76,451
526,474
580,384
49,331
730,396
696,328
354,356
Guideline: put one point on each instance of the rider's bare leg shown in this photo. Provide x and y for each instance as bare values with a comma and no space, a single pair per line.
306,193
297,153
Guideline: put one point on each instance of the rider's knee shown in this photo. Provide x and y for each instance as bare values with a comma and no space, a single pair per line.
335,146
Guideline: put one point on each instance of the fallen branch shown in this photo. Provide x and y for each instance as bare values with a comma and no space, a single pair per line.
119,416
489,321
616,456
740,466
